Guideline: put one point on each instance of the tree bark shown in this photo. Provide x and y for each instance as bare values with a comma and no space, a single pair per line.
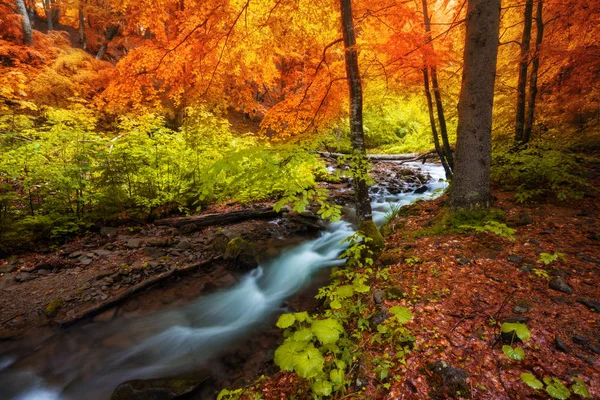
26,22
523,65
111,32
444,152
533,88
364,213
82,35
471,184
222,218
49,15
436,139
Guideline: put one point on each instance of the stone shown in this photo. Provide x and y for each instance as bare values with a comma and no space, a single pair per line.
520,309
24,277
594,348
134,243
580,339
378,318
378,296
462,260
188,228
44,265
5,269
103,252
559,284
103,296
43,272
109,231
526,268
84,260
157,389
523,219
155,252
593,305
515,259
161,242
451,381
421,189
560,345
184,245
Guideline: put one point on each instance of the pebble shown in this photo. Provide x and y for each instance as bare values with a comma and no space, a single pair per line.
559,284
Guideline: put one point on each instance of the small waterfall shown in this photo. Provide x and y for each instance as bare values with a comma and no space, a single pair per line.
178,341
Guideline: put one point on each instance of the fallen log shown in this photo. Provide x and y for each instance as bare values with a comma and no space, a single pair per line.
375,157
113,301
221,218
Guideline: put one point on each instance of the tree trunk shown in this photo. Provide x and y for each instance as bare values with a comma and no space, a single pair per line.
471,184
27,30
436,139
82,35
523,64
111,32
364,213
446,154
533,88
48,11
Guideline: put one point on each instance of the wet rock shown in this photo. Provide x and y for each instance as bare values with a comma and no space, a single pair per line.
593,305
378,318
84,260
43,272
103,252
242,253
5,269
134,243
421,189
109,231
161,242
451,381
378,296
560,345
520,309
53,307
44,265
24,277
156,389
588,359
594,348
184,245
28,269
580,339
155,253
188,228
559,284
515,259
526,268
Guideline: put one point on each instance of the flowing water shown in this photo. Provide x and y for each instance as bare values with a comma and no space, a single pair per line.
178,341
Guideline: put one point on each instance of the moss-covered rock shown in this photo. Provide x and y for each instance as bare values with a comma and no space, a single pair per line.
377,242
242,252
156,389
52,308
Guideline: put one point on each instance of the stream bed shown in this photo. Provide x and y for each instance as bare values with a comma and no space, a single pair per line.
187,339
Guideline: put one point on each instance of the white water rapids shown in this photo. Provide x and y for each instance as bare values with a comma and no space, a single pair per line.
179,341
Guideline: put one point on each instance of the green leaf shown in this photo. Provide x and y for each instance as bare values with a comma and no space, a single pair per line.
516,353
360,287
302,316
322,388
580,388
402,314
382,328
285,321
303,335
556,389
344,291
532,381
336,376
287,354
520,330
335,304
327,330
309,363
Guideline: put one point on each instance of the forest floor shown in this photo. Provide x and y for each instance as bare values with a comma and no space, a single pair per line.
461,286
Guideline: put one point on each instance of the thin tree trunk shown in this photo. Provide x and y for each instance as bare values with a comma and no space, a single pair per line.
447,150
471,184
533,88
364,213
523,65
82,35
436,139
48,11
111,32
27,30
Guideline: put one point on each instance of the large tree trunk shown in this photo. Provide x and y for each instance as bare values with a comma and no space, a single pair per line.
111,32
446,152
471,184
27,30
49,14
523,65
364,213
436,139
533,88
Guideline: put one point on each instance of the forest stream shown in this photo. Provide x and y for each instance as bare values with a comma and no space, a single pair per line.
89,361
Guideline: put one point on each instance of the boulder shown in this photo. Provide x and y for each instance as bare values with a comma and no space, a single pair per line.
156,389
559,284
450,380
